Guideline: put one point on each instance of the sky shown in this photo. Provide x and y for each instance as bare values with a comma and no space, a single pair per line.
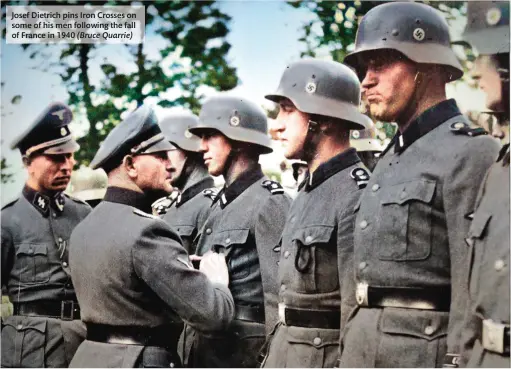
264,37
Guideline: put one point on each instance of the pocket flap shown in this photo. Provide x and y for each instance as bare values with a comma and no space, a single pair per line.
24,324
420,190
32,249
314,234
185,230
479,224
314,337
230,237
424,324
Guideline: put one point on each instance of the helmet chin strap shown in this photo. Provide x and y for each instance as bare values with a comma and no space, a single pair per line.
310,145
419,89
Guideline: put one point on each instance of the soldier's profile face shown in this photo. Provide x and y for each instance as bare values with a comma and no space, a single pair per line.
215,149
486,74
388,84
291,126
177,162
153,172
50,172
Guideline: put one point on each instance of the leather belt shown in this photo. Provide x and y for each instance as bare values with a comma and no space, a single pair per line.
422,298
495,337
249,313
164,336
325,319
65,310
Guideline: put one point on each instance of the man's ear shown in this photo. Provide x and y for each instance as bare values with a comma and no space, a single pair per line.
26,161
130,165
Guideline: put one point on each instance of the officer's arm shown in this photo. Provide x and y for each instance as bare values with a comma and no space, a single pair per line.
470,321
460,191
268,230
7,254
163,264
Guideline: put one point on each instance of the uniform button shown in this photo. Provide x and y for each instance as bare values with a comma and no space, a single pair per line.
403,195
228,240
60,239
499,264
317,341
19,326
308,239
286,254
64,264
429,330
31,250
54,215
362,265
283,287
68,285
363,224
376,187
208,230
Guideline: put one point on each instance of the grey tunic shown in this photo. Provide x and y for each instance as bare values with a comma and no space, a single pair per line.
316,263
488,240
190,210
35,238
131,270
246,223
410,231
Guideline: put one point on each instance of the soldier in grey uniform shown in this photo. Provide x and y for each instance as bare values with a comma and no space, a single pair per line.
411,220
186,212
45,329
485,335
245,224
132,276
319,103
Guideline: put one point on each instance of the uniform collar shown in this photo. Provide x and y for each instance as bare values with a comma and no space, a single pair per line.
128,197
424,123
194,190
43,202
329,168
244,181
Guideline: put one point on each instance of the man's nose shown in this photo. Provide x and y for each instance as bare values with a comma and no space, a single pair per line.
276,127
368,81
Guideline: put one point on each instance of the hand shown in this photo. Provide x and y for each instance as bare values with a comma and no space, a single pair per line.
214,266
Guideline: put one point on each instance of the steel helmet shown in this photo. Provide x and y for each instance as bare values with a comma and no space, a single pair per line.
237,118
322,87
416,30
487,26
176,129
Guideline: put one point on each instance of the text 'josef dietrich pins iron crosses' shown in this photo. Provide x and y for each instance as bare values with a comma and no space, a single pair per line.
75,24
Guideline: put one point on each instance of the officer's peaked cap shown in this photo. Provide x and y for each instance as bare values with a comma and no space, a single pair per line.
138,134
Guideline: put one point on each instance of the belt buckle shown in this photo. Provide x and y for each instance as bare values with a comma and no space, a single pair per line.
493,336
282,313
362,294
64,309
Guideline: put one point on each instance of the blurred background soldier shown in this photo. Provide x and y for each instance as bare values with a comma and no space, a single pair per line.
485,335
45,329
487,31
187,212
245,223
412,219
89,185
133,277
367,145
319,102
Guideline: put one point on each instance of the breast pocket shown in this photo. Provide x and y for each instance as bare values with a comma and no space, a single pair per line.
476,234
32,262
405,221
315,259
233,242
